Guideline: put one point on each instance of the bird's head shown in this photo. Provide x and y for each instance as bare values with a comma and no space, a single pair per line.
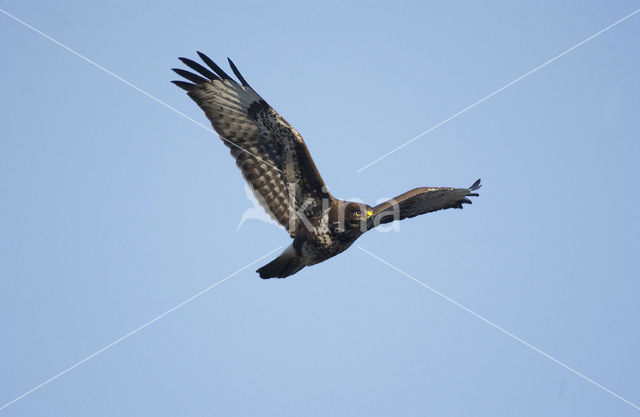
355,214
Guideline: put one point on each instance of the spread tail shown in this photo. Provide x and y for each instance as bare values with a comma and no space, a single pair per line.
288,263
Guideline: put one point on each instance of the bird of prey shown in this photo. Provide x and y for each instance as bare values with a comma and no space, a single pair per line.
276,164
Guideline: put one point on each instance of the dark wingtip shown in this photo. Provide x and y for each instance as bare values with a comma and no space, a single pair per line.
199,68
264,274
184,85
214,66
476,185
237,73
196,79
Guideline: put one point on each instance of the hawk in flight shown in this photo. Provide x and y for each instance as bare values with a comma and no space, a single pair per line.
276,163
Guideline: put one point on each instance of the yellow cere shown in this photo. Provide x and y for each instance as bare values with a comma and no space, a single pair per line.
369,213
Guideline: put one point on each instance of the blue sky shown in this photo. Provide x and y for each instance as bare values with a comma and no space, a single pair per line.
115,209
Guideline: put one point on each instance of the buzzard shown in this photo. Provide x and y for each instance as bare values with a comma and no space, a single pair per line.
276,163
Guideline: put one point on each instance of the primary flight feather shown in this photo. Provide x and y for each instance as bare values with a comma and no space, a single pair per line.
276,163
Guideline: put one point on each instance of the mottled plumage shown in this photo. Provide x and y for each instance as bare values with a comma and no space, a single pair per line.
276,163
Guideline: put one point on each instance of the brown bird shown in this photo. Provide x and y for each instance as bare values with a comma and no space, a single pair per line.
276,163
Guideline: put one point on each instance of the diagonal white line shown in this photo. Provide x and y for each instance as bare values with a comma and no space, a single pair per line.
492,324
100,67
136,330
498,90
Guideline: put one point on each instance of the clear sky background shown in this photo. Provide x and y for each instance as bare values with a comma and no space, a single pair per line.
113,209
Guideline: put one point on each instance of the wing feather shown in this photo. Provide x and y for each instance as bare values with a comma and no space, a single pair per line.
271,154
237,73
189,76
199,68
214,66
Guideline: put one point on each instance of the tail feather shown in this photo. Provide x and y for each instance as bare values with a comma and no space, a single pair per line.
288,263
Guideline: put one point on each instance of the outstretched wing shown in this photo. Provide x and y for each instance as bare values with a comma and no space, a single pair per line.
421,201
271,154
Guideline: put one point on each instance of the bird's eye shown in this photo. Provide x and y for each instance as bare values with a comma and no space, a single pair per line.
358,212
